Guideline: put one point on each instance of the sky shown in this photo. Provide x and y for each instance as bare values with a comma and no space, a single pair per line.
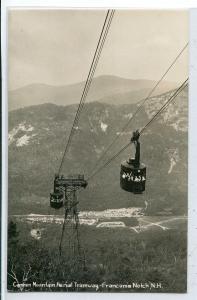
56,47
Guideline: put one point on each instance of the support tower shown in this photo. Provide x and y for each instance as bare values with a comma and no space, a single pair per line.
65,195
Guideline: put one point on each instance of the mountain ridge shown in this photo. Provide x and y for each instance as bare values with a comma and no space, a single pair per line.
106,88
37,138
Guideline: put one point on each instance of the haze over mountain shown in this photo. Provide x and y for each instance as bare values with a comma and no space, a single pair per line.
38,135
108,89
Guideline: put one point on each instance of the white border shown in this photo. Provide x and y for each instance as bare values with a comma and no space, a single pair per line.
4,155
192,187
192,237
140,4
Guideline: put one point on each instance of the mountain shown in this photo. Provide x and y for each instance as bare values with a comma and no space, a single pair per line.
38,135
108,89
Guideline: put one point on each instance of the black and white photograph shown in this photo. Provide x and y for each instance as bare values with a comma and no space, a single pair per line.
97,150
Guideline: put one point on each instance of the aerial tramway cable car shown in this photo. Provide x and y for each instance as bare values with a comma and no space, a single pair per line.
133,173
56,200
57,197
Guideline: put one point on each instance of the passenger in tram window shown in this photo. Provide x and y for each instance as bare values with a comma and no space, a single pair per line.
137,179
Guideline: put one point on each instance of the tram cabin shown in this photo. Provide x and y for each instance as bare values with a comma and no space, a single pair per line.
56,199
132,172
132,177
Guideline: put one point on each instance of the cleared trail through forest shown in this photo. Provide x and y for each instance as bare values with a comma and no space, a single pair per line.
142,221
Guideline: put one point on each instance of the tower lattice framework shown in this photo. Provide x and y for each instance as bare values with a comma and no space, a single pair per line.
70,244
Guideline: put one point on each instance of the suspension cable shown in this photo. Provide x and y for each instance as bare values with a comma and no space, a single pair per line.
96,61
143,101
109,161
100,44
175,94
96,57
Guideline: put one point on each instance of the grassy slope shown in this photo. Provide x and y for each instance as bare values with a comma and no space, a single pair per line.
112,255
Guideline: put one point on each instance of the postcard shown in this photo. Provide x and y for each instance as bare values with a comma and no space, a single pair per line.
97,150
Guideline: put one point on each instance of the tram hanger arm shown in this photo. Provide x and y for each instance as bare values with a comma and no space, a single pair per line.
135,140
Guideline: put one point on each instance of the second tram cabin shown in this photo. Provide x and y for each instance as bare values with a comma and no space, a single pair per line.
56,200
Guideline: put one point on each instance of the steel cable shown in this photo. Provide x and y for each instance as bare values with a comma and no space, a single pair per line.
97,54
